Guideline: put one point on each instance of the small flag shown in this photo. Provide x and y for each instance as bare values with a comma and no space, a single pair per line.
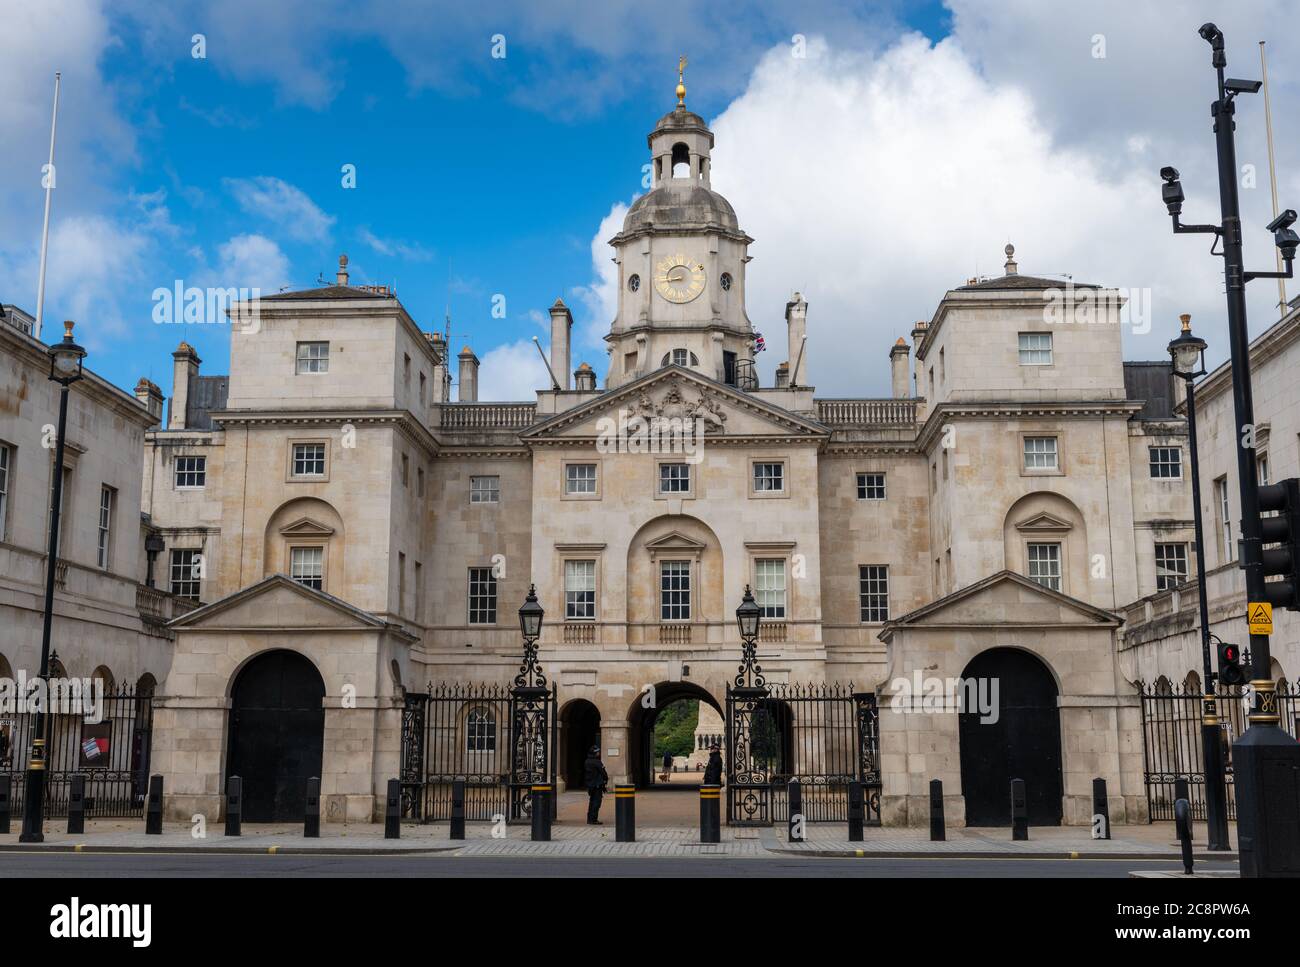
759,344
94,748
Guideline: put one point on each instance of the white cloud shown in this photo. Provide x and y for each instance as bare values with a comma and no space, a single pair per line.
251,261
599,298
280,203
93,262
512,371
394,248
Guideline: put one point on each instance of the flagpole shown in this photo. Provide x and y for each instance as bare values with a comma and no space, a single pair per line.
1272,171
45,228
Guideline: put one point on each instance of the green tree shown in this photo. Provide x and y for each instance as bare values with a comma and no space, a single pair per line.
675,729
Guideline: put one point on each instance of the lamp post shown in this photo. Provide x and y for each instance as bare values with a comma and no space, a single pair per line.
1188,355
65,369
1265,757
530,713
750,681
153,546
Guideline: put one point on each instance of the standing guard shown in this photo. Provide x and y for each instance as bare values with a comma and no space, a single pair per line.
595,779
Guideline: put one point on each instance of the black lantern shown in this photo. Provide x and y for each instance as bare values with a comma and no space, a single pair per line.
530,615
748,616
1188,351
65,358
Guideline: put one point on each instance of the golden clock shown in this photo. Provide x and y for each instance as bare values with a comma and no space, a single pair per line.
678,278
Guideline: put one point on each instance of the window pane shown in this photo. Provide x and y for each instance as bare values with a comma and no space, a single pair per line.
480,731
580,478
186,572
674,478
313,357
871,486
675,590
309,459
769,587
1045,565
484,490
1040,453
769,477
482,596
4,490
105,523
191,471
1171,566
873,592
580,590
306,566
1166,462
1035,348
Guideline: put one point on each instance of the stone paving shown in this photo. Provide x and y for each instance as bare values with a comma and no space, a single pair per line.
569,839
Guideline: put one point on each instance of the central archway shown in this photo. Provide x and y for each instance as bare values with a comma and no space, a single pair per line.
277,734
641,727
1023,743
580,729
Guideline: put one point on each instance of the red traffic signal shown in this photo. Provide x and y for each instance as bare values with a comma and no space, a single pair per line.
1230,670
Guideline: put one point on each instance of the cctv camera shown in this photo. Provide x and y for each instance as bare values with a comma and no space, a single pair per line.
1235,85
1169,174
1212,35
1285,220
1287,242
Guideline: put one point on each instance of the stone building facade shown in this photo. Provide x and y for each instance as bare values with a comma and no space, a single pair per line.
996,513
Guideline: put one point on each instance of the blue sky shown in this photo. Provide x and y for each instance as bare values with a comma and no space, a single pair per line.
479,176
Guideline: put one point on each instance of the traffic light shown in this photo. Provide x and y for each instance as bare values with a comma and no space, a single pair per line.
1284,531
1230,670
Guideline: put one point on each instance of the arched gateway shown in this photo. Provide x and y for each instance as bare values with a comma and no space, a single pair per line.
641,725
1022,742
277,734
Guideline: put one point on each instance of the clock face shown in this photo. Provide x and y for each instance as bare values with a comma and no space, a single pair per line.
678,278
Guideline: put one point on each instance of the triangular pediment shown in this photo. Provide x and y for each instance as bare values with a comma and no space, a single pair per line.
674,393
1004,599
674,543
306,527
1044,523
277,603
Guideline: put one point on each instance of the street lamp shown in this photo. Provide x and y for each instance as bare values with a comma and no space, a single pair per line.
530,678
750,681
1265,757
65,369
1188,354
153,546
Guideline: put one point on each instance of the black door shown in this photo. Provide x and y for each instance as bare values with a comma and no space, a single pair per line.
581,722
1023,743
277,732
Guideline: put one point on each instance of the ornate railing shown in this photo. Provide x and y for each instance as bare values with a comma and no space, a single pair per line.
866,412
487,416
579,634
674,634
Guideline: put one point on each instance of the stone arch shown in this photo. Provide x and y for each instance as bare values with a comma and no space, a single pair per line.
1049,518
641,724
103,675
579,731
307,522
675,538
6,670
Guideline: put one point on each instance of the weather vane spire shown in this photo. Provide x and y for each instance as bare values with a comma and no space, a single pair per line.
681,83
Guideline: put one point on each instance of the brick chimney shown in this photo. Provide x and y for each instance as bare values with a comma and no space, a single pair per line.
185,367
468,390
561,326
148,393
900,371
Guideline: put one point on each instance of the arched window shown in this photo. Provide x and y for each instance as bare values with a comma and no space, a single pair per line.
680,357
480,731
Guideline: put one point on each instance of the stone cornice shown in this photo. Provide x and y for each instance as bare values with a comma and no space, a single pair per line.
401,420
1021,409
1265,346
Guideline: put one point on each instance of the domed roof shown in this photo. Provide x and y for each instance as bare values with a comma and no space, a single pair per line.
681,206
679,118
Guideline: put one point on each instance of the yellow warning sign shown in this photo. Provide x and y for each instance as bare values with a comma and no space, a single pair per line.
1259,615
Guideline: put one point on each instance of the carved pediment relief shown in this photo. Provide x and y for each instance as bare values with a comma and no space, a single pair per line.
677,401
674,544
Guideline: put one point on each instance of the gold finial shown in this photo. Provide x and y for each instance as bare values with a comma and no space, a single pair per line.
681,83
67,328
1187,322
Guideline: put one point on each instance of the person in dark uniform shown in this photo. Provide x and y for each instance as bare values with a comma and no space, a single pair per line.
667,774
713,771
595,778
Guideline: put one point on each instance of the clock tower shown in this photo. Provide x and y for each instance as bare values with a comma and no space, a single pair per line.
681,257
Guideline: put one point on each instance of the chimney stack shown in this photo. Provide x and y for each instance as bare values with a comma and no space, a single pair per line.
148,393
184,368
899,370
440,394
584,379
561,324
468,391
342,277
796,318
783,375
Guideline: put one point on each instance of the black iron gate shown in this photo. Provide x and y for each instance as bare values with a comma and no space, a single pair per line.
1171,740
824,735
112,753
499,741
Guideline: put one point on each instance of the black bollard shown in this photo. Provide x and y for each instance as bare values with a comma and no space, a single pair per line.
1183,825
710,814
457,809
77,805
856,807
393,810
1100,810
1019,810
5,786
153,811
234,805
794,820
311,815
541,813
624,814
938,828
1181,790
